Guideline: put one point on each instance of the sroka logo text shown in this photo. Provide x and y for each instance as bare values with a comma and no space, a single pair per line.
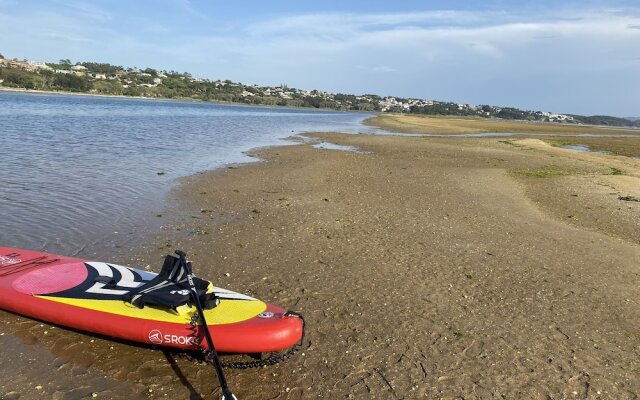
155,336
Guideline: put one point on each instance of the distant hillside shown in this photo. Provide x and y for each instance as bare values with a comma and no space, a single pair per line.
107,79
606,120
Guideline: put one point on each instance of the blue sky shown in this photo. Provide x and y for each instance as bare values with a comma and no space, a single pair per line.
563,56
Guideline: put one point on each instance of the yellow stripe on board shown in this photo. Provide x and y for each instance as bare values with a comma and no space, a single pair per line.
227,312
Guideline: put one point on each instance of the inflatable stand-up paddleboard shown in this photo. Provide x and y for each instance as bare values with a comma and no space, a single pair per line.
141,306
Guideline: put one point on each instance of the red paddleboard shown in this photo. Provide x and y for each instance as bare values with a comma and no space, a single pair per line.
71,292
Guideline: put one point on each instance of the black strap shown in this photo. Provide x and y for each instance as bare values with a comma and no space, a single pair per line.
170,289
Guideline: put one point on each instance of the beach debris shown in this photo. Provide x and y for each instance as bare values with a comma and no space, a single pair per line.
629,198
424,370
461,334
386,381
562,333
200,231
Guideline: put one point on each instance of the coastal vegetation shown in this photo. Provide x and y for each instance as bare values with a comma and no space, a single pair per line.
626,146
543,172
108,79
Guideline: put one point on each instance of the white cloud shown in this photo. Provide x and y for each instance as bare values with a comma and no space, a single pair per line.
383,68
530,60
187,6
546,61
84,10
323,23
537,62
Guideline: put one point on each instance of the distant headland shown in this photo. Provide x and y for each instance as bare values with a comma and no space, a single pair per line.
113,80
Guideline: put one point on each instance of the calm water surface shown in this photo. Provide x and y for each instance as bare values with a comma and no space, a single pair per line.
80,171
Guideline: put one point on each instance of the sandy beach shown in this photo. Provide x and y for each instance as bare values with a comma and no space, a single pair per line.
425,267
453,125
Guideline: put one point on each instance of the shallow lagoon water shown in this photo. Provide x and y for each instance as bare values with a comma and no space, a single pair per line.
340,147
582,148
81,173
576,147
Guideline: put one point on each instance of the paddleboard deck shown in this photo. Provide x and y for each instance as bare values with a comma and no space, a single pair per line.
72,292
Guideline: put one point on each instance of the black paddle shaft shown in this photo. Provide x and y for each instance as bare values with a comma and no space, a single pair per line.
226,392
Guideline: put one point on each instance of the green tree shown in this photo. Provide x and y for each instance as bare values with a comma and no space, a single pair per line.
144,79
1,56
108,87
16,78
151,72
72,82
365,106
102,68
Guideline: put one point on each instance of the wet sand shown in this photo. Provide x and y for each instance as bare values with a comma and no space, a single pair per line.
425,268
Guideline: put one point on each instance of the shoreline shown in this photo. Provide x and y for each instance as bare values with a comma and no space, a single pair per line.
375,121
438,268
100,227
183,100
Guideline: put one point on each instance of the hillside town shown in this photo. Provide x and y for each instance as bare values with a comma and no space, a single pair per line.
107,79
